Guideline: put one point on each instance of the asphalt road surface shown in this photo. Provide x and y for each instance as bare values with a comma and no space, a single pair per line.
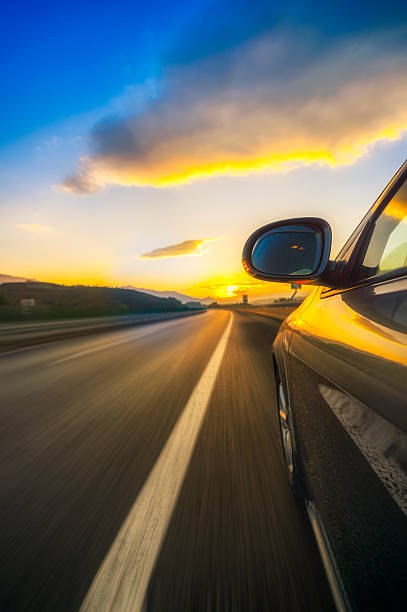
87,428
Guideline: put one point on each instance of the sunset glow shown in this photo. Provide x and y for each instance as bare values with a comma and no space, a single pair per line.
152,166
100,174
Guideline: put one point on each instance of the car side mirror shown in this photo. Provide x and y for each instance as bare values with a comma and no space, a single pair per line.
289,251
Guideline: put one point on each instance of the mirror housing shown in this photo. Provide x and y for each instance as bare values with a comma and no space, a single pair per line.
290,251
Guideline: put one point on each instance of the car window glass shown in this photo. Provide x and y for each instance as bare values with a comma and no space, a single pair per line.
387,246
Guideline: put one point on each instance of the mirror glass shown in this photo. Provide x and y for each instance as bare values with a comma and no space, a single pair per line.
287,251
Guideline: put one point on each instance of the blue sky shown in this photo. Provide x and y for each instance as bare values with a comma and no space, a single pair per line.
129,127
67,58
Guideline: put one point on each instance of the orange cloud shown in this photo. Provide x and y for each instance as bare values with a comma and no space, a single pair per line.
188,247
259,108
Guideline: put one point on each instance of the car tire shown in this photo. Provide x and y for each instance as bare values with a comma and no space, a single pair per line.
288,442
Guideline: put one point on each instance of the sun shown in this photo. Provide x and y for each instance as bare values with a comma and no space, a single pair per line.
230,291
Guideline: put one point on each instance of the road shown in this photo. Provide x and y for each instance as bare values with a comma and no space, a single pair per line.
85,422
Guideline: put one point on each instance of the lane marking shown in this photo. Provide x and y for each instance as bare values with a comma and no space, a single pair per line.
122,580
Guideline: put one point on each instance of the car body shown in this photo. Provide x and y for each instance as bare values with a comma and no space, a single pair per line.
340,362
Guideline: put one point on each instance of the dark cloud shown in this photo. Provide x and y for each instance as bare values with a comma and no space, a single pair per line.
282,98
81,182
221,25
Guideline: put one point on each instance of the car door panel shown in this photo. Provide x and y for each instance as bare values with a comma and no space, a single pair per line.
358,338
348,357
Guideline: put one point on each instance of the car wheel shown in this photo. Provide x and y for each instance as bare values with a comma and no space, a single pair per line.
288,443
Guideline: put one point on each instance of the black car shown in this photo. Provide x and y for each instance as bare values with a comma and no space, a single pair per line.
340,363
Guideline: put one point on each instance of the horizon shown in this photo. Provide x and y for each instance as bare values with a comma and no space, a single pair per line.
229,299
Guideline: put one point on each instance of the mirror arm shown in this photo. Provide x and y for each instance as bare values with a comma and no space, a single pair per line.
332,276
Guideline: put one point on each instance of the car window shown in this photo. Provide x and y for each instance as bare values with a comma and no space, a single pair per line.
386,246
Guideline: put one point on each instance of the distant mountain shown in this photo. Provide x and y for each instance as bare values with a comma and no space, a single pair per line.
105,300
172,294
6,278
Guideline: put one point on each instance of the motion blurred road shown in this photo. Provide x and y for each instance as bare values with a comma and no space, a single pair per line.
83,421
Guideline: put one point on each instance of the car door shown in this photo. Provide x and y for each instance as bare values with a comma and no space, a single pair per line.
348,387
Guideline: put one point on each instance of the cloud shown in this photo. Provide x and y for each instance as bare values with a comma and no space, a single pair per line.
281,99
188,247
81,182
35,227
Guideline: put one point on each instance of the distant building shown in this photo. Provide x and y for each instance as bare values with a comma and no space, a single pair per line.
245,299
27,302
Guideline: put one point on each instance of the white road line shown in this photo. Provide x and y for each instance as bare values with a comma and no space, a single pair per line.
122,580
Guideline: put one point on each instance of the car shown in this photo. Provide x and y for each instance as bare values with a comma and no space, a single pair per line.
340,365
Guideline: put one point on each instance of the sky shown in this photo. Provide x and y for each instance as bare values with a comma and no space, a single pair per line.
141,143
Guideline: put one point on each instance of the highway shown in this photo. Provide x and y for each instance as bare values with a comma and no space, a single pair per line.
97,431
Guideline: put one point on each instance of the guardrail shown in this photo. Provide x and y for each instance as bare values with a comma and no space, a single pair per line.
279,313
18,335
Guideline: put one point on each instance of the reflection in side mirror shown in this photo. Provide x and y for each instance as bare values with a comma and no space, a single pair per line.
295,249
287,251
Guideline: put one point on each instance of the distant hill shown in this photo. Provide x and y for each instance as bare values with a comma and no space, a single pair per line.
6,278
172,294
66,301
80,295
